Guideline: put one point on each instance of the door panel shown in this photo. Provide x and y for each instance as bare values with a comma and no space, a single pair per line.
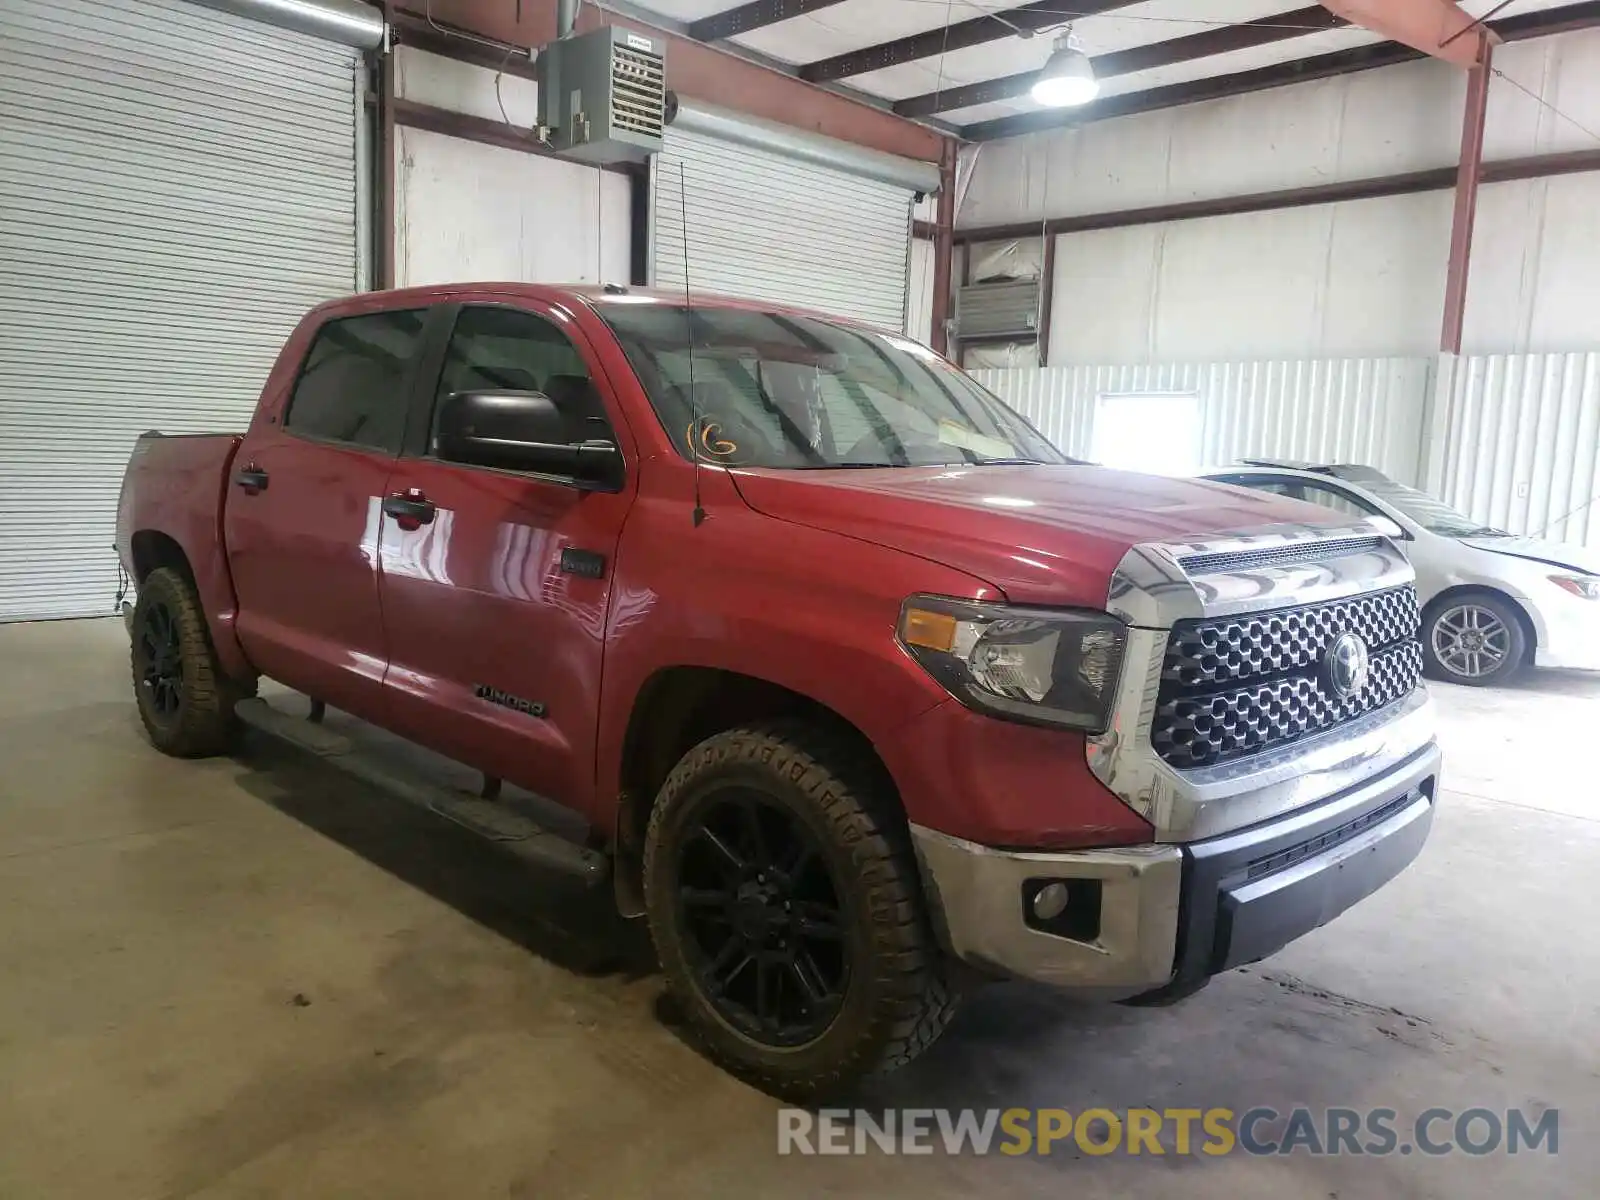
304,512
496,605
304,554
495,650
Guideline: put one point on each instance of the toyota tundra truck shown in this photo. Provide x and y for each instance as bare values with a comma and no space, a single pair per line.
854,686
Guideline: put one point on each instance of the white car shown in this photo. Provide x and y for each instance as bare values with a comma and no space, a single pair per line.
1492,602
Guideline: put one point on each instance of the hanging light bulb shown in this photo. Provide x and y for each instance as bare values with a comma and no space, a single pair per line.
1068,78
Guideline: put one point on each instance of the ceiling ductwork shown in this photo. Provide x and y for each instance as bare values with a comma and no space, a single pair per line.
566,17
348,22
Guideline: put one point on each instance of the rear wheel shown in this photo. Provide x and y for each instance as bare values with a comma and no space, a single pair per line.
185,700
785,907
1475,639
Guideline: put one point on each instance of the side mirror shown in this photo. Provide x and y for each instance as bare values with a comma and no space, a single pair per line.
522,431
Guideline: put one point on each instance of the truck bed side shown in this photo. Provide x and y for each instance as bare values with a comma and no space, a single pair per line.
170,514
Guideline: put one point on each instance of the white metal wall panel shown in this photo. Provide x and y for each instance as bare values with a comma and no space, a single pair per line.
770,228
177,187
1354,280
1358,280
1368,411
467,211
1520,443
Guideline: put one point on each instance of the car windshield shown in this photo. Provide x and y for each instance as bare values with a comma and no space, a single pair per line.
1433,515
745,388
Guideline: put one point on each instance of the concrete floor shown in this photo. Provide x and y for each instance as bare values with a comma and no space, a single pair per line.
253,977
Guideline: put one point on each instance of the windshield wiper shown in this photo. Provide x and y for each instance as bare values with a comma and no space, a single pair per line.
849,466
1009,462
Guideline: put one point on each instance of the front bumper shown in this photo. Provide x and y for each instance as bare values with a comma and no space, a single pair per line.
1570,635
1170,916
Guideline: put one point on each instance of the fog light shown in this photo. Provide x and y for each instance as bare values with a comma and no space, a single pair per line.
1050,901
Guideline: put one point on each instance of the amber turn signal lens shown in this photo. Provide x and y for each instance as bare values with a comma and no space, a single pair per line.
933,630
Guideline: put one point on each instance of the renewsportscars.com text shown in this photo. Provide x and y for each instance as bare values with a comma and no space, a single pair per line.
1374,1132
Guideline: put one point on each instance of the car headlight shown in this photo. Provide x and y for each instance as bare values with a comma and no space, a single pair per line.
1045,666
1586,586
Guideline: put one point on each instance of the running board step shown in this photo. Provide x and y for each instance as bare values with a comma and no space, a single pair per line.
492,820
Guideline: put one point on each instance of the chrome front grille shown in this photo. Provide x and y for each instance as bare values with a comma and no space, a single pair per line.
1231,687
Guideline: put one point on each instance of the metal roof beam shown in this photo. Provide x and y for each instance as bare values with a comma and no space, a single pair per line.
1410,183
756,15
1568,18
1002,23
1223,40
1301,70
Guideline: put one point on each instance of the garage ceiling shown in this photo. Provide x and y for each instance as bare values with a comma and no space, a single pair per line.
975,78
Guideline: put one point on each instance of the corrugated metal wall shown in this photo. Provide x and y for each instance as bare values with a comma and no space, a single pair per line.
1369,411
1520,437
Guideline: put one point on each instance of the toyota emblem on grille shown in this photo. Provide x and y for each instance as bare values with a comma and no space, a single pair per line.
1347,666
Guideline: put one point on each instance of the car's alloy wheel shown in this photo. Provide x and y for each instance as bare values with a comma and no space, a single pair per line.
786,909
764,922
1472,641
185,699
158,661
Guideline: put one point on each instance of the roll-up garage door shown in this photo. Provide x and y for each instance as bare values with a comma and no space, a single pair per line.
177,187
769,227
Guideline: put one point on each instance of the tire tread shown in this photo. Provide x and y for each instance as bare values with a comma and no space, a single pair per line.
208,726
914,1000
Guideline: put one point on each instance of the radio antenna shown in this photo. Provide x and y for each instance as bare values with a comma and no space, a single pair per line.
695,434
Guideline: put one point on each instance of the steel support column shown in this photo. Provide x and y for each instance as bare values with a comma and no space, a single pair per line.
384,196
641,202
944,247
1468,176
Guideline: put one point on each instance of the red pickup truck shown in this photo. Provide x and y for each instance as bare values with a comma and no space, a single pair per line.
859,687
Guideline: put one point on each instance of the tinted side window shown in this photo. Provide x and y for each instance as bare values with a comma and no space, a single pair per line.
506,349
352,387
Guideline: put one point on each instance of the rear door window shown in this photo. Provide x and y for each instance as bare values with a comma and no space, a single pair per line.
353,386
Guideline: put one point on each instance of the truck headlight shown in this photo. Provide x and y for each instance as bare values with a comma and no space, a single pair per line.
1586,586
1045,666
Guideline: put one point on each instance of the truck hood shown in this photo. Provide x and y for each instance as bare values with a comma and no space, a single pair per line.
1551,554
1042,535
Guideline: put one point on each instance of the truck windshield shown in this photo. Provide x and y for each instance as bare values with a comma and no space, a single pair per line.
768,390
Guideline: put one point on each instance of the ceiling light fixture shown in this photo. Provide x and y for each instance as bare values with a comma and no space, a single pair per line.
1067,79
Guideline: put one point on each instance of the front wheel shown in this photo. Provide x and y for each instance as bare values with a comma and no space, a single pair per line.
785,907
1476,639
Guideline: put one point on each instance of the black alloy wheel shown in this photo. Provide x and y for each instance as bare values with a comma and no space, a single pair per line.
185,699
159,662
787,911
764,923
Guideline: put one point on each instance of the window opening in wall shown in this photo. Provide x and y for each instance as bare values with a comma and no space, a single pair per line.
1158,432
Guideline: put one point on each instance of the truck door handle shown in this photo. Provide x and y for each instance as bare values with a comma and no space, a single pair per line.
252,479
410,509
